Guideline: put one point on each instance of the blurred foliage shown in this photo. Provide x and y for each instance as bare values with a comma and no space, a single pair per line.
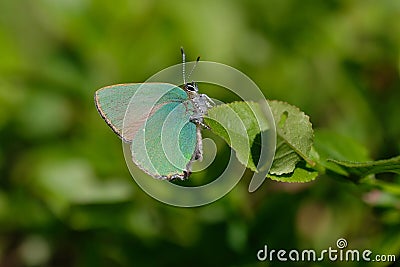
66,196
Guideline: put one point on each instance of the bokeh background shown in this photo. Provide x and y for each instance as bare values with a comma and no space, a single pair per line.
66,195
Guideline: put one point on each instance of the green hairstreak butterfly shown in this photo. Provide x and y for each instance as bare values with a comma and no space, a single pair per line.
161,121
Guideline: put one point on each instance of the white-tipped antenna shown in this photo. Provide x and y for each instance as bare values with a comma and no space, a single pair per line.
195,64
184,66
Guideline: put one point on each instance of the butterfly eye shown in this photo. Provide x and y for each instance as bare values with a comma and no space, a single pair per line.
192,87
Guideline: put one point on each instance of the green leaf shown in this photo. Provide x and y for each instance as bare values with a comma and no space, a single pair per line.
294,137
238,123
301,174
362,169
331,145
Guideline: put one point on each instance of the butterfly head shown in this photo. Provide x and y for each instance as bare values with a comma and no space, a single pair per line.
191,87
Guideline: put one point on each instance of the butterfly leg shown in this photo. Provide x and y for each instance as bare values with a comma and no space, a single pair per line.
209,102
198,153
198,121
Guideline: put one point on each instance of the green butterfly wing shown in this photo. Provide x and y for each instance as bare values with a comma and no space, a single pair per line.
155,118
165,144
112,102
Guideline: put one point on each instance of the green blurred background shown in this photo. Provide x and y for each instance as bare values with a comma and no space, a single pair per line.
66,196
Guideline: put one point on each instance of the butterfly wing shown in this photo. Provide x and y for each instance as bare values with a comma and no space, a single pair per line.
113,102
155,118
165,144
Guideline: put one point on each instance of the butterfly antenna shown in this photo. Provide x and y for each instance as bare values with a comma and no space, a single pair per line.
195,64
183,65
